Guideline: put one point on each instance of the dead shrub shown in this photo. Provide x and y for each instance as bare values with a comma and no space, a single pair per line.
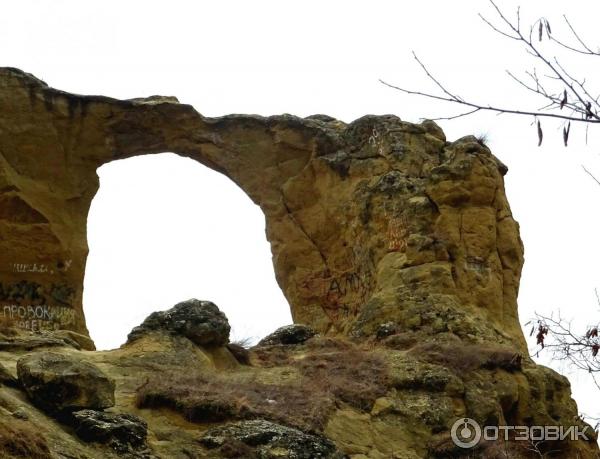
20,439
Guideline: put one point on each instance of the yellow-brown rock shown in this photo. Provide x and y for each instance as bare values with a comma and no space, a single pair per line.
397,246
376,221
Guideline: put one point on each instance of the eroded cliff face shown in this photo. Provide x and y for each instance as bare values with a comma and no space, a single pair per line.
396,250
373,222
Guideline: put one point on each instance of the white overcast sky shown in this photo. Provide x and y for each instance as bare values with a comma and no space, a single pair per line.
163,229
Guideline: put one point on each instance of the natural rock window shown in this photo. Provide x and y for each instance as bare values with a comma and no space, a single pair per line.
162,228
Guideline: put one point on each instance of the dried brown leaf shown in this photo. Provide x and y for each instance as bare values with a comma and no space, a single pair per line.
564,100
566,131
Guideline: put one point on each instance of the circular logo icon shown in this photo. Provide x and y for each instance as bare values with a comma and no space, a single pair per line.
465,433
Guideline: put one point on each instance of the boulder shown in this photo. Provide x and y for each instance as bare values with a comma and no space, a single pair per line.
200,321
122,432
267,439
59,383
288,334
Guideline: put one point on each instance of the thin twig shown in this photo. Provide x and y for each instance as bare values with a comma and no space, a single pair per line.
590,174
489,107
573,95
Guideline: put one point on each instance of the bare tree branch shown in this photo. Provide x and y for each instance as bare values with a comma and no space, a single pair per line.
572,93
579,349
477,107
585,48
596,180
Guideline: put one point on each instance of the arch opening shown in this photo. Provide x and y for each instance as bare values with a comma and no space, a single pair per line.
162,229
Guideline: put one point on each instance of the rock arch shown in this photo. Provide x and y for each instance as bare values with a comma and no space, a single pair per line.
372,223
156,236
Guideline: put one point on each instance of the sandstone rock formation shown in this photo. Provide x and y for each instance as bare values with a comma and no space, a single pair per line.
57,383
397,247
369,222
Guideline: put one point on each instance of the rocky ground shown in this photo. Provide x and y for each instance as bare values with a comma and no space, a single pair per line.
179,389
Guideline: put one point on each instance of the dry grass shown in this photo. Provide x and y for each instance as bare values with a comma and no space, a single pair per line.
272,356
327,344
19,439
331,373
352,376
236,449
246,342
483,139
218,397
463,358
402,341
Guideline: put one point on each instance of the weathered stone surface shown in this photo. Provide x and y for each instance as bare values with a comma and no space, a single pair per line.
324,387
200,321
370,222
76,339
26,342
288,334
58,383
379,229
269,440
122,432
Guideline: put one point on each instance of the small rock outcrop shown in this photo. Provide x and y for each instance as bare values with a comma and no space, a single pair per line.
288,334
200,321
59,384
124,433
264,439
